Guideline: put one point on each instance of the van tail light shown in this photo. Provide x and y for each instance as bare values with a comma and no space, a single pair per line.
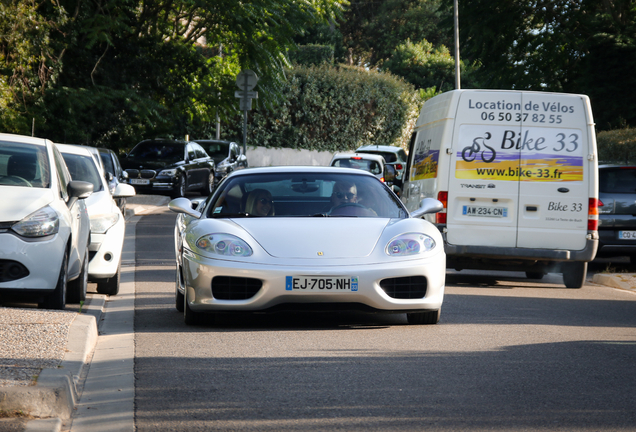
440,217
382,179
398,166
592,214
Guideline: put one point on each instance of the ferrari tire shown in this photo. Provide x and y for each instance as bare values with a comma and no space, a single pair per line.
178,297
416,318
190,317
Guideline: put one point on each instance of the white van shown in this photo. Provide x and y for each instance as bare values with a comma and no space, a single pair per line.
517,173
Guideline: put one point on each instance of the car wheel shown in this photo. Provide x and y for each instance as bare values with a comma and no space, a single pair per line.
534,275
180,189
178,297
431,317
110,286
574,274
190,317
77,288
57,299
208,187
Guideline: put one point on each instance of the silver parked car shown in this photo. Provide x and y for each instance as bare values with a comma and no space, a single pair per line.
44,224
307,238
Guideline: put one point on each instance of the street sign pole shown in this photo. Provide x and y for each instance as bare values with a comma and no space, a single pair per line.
246,81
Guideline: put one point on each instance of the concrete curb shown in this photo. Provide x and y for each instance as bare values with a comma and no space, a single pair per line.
615,280
55,395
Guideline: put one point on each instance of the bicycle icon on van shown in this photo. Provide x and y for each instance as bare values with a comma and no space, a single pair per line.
470,152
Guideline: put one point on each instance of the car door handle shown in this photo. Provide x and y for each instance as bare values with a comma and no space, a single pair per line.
531,208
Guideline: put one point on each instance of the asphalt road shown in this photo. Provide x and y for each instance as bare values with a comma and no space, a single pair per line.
508,354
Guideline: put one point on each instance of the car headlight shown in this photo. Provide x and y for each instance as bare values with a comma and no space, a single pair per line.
167,173
222,167
409,244
43,222
102,223
224,244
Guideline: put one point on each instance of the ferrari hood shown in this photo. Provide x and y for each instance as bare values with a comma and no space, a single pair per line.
312,237
19,202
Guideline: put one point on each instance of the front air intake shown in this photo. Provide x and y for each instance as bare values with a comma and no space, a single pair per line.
235,288
410,287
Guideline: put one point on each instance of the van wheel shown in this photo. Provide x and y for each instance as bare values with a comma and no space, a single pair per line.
416,318
534,275
574,274
77,288
57,299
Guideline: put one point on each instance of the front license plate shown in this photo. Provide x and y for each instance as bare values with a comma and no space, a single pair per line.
627,235
499,212
139,181
318,284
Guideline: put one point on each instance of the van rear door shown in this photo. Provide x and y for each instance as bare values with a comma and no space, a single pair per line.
554,185
483,186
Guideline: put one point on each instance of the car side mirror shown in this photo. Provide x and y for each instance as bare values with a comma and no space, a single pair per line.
389,173
183,205
124,175
124,190
109,177
427,206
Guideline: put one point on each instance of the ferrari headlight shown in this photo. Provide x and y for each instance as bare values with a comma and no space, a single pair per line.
224,244
102,223
42,223
167,173
409,244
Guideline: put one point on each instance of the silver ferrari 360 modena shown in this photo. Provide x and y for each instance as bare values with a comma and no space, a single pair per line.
307,238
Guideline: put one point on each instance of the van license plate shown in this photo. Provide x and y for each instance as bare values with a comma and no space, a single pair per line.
498,212
627,235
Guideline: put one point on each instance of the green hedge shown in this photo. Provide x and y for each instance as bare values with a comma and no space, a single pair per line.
618,146
335,109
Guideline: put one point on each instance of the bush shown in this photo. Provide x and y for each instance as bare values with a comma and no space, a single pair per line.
335,109
617,146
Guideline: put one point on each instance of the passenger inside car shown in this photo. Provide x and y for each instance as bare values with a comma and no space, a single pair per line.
259,203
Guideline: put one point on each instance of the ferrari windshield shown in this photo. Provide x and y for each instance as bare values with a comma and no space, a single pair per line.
298,194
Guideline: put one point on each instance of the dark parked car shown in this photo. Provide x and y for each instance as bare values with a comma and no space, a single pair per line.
169,166
228,156
617,211
115,174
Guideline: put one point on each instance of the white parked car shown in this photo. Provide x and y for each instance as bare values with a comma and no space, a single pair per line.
307,238
367,162
44,224
108,226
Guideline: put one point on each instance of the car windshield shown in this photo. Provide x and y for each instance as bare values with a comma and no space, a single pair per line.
158,151
83,168
359,163
108,162
24,165
217,150
298,194
617,180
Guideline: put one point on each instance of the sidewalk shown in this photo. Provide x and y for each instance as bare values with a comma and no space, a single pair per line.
44,355
53,399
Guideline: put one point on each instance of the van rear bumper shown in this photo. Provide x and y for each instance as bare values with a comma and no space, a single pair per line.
512,253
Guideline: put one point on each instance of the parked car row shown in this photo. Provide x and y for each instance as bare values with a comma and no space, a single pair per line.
173,167
59,225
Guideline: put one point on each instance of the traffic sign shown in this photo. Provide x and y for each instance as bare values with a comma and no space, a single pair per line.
246,94
246,80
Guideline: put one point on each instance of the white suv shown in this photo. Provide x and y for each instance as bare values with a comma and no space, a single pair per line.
44,225
108,226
